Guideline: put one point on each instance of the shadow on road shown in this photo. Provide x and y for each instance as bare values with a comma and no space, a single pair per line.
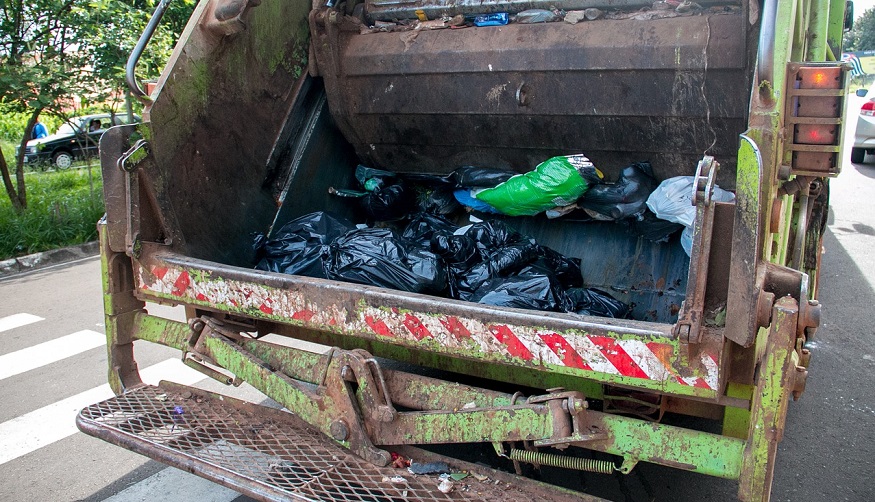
827,452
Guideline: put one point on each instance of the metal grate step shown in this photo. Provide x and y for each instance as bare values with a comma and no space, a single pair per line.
269,454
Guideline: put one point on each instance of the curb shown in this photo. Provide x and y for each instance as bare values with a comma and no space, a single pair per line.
45,259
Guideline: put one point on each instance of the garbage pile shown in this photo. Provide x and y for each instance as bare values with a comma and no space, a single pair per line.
411,245
485,262
659,9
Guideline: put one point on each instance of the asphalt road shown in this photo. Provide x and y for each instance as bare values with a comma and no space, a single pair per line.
827,452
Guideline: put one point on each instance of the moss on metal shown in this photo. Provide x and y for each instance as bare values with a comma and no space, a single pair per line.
272,22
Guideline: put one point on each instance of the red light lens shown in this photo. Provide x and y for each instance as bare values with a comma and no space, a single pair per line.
868,109
815,134
820,78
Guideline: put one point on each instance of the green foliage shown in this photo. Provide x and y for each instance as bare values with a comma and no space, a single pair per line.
13,123
8,149
35,42
112,32
862,36
62,211
52,51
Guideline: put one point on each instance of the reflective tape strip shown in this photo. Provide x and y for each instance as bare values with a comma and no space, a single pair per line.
629,357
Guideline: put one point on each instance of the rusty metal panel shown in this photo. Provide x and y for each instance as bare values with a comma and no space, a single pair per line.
629,353
665,91
220,105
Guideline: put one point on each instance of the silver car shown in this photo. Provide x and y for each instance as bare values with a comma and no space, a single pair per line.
864,136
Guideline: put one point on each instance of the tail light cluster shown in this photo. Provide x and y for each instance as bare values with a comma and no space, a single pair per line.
813,117
868,109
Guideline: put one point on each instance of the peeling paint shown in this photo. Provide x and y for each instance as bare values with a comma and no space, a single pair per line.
613,357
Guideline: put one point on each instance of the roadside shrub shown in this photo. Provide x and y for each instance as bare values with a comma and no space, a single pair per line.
12,123
62,211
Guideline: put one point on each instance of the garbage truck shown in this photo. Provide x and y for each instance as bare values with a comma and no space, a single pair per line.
238,199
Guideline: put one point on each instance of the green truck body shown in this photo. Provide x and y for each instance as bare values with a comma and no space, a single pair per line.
265,107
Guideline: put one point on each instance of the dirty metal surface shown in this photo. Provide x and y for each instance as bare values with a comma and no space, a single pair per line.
650,277
551,88
221,103
626,352
113,143
272,455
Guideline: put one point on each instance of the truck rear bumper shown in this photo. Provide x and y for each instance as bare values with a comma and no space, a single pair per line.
633,354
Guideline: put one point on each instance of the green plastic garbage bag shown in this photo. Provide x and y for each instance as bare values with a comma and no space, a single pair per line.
558,181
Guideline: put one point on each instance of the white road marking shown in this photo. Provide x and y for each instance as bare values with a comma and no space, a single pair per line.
42,427
17,320
174,484
49,352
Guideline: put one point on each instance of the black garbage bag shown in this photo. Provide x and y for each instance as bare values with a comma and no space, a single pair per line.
374,179
389,203
653,228
595,302
480,177
378,257
524,291
436,200
512,257
459,250
300,246
500,262
423,226
627,197
429,269
566,270
492,235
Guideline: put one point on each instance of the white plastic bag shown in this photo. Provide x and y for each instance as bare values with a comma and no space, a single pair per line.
673,201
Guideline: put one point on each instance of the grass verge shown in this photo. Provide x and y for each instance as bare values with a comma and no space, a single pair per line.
62,210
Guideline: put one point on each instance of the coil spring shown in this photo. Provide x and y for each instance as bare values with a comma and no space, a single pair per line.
551,459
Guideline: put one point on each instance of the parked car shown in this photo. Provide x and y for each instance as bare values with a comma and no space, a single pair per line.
77,138
864,135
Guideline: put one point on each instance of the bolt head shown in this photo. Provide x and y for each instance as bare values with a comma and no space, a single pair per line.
579,405
339,430
385,414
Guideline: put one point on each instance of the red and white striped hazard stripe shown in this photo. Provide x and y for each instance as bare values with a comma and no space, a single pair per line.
634,358
650,360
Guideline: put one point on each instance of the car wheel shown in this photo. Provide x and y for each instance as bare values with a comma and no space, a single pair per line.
858,155
63,160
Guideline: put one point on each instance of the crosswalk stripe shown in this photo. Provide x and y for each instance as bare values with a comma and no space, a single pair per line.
173,484
33,357
32,431
17,320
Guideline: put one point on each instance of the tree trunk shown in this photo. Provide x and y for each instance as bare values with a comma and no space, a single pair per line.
19,159
7,182
18,192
